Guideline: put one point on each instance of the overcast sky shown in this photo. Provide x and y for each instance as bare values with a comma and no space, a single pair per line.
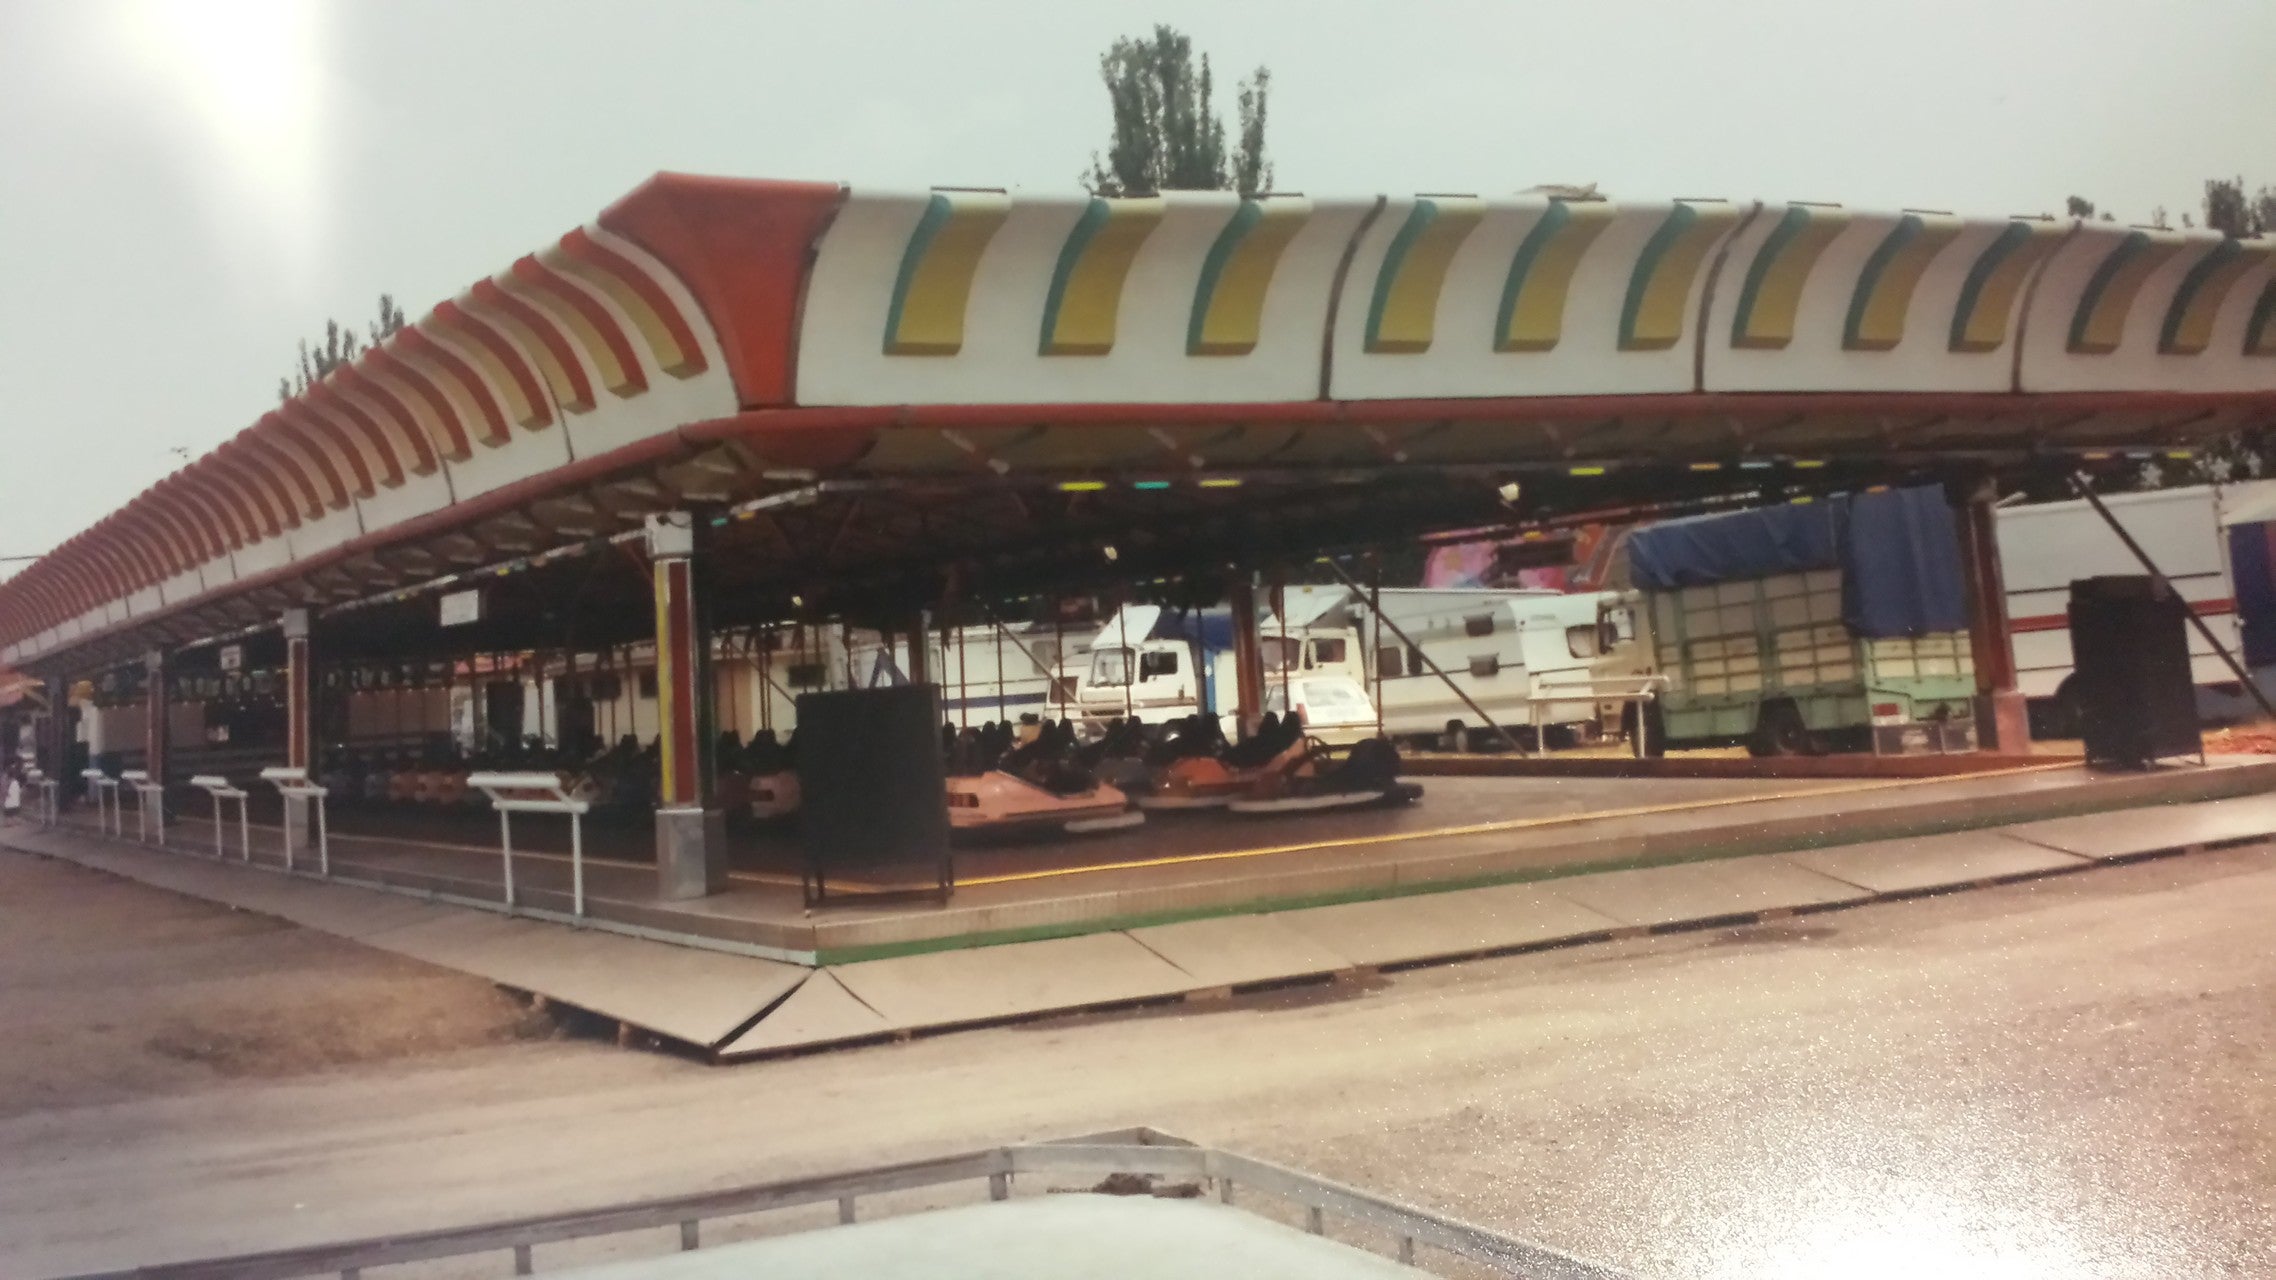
188,188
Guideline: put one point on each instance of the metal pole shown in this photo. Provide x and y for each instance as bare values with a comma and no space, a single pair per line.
577,862
1467,701
220,844
286,830
963,684
2080,482
1129,657
1375,647
245,829
506,844
323,841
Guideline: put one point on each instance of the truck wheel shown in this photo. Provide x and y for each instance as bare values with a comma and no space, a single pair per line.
1779,731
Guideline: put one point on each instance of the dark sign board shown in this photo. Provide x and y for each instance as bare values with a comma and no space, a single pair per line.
872,788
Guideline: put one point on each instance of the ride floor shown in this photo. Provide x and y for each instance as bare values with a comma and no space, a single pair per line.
1463,831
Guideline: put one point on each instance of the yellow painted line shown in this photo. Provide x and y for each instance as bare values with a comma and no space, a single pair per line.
1354,842
1487,828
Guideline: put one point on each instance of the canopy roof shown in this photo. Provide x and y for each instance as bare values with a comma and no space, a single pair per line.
711,340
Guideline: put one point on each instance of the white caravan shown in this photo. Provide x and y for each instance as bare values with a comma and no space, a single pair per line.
1562,663
985,672
1530,659
2187,532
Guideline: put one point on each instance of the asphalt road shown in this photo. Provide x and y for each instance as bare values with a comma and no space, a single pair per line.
2066,1078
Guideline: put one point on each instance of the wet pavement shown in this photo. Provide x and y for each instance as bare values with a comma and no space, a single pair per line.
2065,1078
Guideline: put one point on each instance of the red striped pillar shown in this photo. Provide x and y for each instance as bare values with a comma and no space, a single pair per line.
2003,721
678,668
297,702
691,837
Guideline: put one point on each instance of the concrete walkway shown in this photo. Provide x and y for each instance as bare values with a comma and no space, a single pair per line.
741,1007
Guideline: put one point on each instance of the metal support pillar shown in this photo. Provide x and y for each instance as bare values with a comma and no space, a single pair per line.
154,742
299,711
2003,722
55,740
691,836
920,659
1248,653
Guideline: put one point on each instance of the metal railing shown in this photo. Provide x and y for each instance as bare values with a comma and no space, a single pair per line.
1140,1152
1547,690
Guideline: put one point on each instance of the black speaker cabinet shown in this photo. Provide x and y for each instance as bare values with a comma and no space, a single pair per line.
2130,643
873,791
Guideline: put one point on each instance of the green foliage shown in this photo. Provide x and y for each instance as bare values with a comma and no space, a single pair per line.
341,345
1167,134
2229,211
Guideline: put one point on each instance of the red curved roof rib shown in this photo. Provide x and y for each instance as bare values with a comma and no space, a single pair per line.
491,430
740,246
221,511
454,318
284,459
453,445
632,379
312,455
149,543
685,358
365,459
358,389
189,536
327,401
251,489
491,298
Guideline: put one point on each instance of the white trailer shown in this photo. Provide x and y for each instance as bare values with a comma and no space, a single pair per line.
985,672
1531,660
2044,546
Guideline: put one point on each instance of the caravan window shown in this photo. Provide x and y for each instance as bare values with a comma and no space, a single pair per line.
1581,642
1046,656
1159,663
1110,666
1327,653
1390,662
1486,665
1279,653
1478,624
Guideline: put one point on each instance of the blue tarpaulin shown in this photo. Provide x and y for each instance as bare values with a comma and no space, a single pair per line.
1898,550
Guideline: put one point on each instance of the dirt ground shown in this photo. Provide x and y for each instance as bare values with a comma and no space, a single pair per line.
114,990
2063,1078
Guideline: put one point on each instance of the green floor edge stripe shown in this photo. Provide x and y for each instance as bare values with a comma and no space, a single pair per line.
1740,848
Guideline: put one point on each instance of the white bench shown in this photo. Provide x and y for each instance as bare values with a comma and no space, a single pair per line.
47,788
219,788
145,792
513,793
293,784
102,785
